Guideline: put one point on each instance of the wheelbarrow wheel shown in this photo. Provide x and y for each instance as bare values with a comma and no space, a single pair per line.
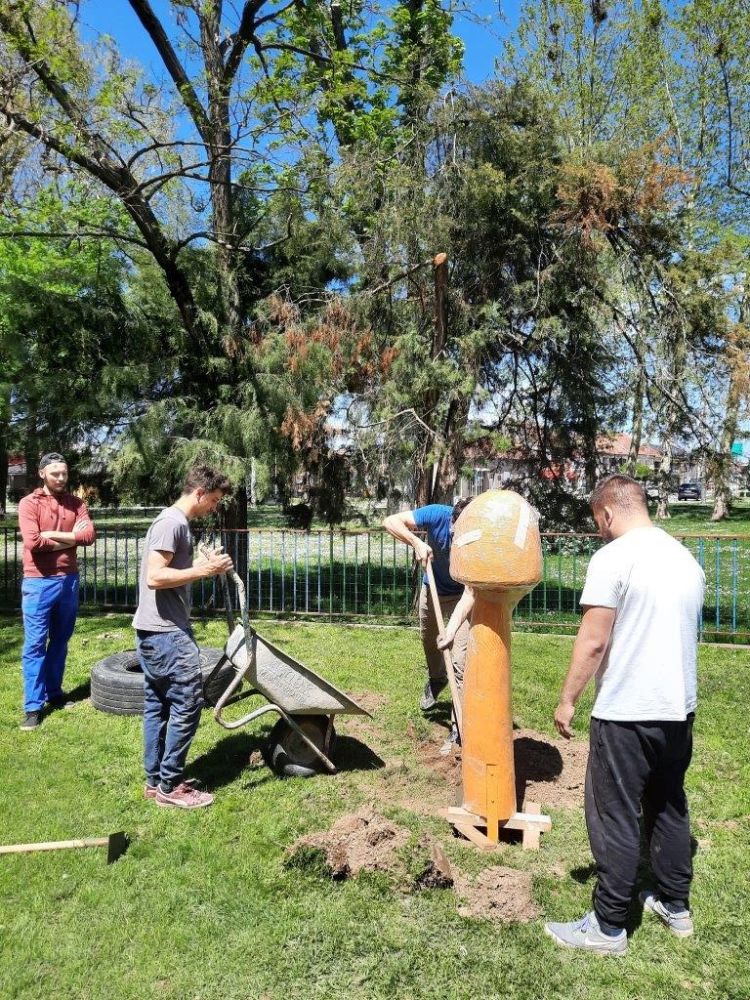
288,755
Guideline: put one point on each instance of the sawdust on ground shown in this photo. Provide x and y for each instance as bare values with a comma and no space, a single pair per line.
496,893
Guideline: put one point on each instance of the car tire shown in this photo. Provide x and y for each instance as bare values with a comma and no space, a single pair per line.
117,681
289,756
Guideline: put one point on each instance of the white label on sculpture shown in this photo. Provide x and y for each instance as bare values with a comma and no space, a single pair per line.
470,536
524,516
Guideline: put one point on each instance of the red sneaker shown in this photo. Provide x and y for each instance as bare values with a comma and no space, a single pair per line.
184,796
149,791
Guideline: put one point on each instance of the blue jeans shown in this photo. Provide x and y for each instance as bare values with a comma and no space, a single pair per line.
173,701
49,605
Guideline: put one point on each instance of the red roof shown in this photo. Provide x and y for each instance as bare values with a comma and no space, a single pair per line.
619,444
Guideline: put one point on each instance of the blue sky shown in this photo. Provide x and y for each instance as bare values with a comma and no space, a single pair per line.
482,40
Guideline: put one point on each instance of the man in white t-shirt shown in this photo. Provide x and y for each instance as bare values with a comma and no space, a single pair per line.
642,604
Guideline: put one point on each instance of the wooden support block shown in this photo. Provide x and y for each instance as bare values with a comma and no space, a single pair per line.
474,828
459,814
531,836
477,838
523,821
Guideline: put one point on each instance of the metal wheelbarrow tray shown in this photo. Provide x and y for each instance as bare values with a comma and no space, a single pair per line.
302,739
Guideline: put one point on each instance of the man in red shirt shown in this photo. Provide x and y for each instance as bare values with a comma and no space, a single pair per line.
52,522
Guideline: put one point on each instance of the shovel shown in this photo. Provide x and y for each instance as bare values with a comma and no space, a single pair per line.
116,844
447,659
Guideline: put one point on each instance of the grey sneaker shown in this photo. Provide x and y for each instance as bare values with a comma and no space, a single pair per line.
31,721
451,743
680,924
587,935
429,696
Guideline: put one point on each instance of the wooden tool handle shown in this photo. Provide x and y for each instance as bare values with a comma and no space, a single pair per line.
447,658
53,845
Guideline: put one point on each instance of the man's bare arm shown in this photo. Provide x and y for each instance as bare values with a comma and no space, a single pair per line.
588,652
161,576
402,526
460,613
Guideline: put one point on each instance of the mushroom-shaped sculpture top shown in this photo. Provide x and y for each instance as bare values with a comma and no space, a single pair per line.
496,545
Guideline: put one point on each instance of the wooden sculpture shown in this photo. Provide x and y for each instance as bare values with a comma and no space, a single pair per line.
496,550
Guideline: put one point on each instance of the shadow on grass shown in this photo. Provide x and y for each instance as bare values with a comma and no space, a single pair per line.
583,873
535,760
226,761
79,693
351,754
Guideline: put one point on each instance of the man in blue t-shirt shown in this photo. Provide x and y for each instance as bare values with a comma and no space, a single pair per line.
436,520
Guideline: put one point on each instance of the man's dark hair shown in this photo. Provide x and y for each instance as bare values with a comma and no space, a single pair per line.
206,478
618,491
459,506
50,458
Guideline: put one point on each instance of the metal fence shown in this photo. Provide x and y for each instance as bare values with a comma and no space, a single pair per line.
368,574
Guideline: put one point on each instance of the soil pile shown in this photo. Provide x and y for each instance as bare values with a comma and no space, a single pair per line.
357,841
549,771
497,893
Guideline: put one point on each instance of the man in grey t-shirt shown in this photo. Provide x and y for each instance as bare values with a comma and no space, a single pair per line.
167,650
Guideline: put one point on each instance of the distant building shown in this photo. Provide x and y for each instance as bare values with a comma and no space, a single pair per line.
494,470
18,483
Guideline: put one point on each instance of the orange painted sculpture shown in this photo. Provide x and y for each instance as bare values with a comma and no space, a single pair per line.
496,550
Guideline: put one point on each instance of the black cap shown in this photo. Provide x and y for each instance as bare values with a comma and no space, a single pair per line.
49,458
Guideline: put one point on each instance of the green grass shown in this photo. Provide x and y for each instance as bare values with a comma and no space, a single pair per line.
201,907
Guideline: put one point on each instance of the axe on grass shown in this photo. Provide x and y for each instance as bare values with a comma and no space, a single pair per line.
116,844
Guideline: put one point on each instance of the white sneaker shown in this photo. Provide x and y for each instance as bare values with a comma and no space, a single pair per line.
680,924
586,935
451,743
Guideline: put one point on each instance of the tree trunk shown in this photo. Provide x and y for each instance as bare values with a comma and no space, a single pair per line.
253,484
638,395
721,462
234,524
664,479
675,342
3,471
449,466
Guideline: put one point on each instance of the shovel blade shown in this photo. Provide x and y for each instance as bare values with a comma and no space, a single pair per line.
117,844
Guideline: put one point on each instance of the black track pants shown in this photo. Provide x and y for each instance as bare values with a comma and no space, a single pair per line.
633,765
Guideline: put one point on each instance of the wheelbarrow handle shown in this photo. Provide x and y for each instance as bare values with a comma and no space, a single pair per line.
206,550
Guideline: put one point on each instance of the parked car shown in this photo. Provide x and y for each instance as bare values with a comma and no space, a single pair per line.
651,490
689,491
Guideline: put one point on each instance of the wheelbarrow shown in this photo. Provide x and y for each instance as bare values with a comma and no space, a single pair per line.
301,741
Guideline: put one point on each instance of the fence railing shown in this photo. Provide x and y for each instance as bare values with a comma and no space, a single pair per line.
368,574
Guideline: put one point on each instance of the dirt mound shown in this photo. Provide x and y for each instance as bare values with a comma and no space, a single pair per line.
497,893
549,771
366,841
356,841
